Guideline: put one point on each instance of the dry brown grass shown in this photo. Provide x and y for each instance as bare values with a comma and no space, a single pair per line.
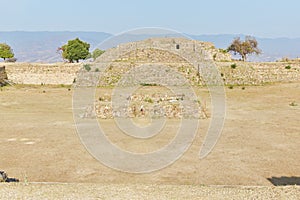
260,139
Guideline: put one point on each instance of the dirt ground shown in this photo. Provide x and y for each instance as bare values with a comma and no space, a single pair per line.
139,191
260,140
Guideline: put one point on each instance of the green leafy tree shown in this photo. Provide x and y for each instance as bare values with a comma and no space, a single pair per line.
75,50
96,53
249,46
89,56
6,51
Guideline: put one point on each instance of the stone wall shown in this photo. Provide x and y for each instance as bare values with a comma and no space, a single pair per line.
233,73
248,73
133,60
37,74
3,76
245,73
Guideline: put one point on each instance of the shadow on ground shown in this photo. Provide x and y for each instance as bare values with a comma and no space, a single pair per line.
9,180
284,180
5,178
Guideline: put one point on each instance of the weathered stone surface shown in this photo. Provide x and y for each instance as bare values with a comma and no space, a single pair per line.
156,105
247,73
3,76
37,74
182,46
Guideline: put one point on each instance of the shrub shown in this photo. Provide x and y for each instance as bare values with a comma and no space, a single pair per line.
149,100
233,66
288,67
96,53
293,104
87,67
148,84
214,56
223,50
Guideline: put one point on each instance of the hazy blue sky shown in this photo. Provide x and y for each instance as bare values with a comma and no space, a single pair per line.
266,18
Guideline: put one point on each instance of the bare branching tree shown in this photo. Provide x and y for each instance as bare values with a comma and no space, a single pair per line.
249,46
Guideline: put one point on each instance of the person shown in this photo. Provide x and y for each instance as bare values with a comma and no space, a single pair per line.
142,110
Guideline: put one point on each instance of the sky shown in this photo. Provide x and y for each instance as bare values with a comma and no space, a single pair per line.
261,18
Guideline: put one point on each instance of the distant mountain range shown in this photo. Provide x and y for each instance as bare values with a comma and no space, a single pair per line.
42,46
